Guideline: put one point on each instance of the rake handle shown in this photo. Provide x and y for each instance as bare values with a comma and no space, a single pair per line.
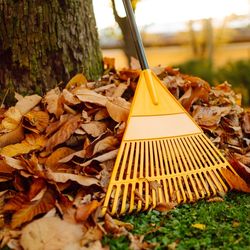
136,35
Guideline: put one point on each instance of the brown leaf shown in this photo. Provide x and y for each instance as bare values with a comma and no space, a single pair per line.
193,94
51,233
246,123
64,133
53,99
85,210
106,144
12,137
36,121
93,234
101,158
12,118
69,98
165,207
242,170
86,95
94,128
210,116
30,210
37,185
30,143
75,81
118,109
64,177
27,103
16,202
54,126
235,181
60,153
112,228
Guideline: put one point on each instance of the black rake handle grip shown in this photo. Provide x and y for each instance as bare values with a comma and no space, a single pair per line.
136,35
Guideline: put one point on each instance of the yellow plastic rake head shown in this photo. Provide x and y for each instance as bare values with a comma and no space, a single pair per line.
164,156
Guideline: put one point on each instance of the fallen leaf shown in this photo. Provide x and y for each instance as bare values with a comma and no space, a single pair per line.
235,181
30,143
246,123
27,103
51,233
86,95
12,118
36,121
77,80
29,210
93,234
69,98
165,207
94,128
83,211
242,170
65,131
12,137
113,228
64,177
60,153
193,94
37,185
118,108
215,199
199,226
209,116
101,158
106,144
53,99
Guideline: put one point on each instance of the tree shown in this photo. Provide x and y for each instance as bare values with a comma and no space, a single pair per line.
45,42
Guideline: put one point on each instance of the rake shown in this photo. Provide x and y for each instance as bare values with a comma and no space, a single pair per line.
164,155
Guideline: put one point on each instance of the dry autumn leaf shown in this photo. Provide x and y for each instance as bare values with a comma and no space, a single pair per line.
86,95
29,210
65,131
30,143
60,153
77,80
51,234
53,99
199,226
83,211
94,128
12,118
27,103
106,144
36,121
64,177
118,108
101,158
235,181
12,137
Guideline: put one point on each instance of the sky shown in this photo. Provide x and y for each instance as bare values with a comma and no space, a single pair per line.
158,13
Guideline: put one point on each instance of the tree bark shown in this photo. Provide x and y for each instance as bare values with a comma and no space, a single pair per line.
45,42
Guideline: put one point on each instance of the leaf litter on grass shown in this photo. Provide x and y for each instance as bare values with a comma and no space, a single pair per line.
57,153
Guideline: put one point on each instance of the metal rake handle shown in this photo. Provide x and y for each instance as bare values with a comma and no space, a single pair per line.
136,35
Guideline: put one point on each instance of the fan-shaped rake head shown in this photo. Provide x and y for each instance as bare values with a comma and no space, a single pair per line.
151,172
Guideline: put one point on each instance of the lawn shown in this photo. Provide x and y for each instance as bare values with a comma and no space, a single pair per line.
203,225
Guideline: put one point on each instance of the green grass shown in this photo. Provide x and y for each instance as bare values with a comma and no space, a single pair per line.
227,226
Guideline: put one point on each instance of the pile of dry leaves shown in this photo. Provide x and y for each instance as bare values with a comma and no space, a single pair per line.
57,153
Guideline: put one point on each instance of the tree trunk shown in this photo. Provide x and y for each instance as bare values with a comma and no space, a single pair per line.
45,42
